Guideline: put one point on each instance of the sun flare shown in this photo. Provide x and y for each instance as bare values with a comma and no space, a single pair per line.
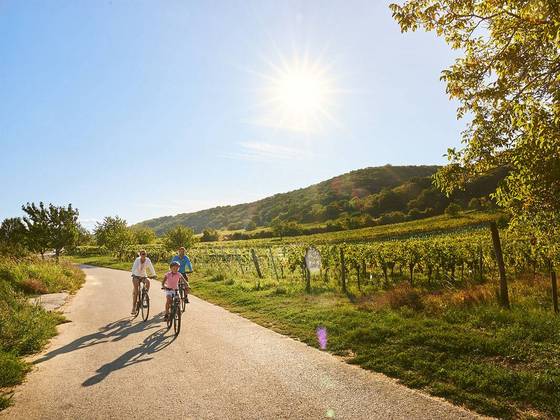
298,95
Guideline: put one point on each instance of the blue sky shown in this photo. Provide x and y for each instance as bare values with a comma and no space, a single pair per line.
146,108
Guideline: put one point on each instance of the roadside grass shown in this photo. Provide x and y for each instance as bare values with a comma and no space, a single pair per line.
25,328
496,362
33,276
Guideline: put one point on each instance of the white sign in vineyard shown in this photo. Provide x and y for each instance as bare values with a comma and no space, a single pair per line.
313,260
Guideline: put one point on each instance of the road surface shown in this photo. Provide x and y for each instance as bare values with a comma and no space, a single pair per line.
104,365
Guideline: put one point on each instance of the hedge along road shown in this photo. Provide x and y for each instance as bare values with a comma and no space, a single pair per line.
105,365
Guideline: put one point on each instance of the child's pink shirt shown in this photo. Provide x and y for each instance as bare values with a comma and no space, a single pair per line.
171,280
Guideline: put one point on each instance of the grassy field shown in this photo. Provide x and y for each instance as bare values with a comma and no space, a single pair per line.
26,328
458,345
454,343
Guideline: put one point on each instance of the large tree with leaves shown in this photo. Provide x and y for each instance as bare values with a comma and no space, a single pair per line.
37,225
508,84
12,236
113,233
63,227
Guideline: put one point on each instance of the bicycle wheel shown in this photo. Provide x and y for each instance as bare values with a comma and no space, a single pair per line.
177,320
145,305
183,294
170,317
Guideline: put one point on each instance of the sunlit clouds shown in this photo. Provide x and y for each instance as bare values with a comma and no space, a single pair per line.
267,152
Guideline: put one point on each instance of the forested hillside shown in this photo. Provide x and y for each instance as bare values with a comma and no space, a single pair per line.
363,197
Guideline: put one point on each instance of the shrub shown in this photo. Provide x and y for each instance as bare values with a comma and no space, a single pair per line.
210,235
405,295
453,209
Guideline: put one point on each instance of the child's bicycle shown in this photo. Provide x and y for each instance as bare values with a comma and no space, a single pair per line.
174,317
143,300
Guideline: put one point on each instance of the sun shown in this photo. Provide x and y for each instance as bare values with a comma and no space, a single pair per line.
298,95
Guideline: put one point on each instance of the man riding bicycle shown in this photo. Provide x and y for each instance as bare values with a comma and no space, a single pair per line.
141,264
185,266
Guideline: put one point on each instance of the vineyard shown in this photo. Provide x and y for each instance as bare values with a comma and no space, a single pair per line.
429,262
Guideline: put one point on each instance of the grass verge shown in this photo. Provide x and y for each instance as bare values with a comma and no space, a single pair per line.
26,328
496,362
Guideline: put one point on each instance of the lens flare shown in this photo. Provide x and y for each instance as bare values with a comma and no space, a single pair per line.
322,337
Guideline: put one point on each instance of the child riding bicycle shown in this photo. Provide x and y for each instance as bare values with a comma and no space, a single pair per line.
170,283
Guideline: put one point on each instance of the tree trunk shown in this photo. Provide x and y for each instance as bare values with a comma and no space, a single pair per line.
554,290
358,274
504,296
411,268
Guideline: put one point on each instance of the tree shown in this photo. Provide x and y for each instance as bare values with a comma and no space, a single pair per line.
210,235
474,204
84,236
12,236
453,209
62,227
251,225
508,82
113,233
177,237
143,235
37,226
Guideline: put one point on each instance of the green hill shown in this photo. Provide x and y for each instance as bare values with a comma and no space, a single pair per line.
365,197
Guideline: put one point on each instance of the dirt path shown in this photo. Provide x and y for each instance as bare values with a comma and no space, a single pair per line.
103,365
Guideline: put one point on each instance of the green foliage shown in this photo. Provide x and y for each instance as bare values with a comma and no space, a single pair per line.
143,235
37,226
62,227
177,237
51,227
475,204
507,82
209,235
25,328
283,228
113,233
31,275
453,209
351,201
12,237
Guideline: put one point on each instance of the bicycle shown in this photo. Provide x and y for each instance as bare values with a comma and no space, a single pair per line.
183,294
174,317
143,300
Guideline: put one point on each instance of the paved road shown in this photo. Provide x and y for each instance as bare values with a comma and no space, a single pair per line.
104,365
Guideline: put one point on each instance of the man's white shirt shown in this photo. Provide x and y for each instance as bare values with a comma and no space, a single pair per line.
139,268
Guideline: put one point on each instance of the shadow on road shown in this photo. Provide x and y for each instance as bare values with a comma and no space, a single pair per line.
113,331
155,342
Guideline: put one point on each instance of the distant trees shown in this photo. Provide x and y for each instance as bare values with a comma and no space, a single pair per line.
50,227
12,236
113,233
210,235
453,209
62,227
143,235
177,237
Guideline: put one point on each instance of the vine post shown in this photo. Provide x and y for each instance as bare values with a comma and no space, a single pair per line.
504,296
